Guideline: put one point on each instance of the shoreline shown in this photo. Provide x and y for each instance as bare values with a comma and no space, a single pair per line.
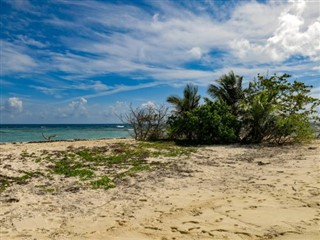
65,140
213,192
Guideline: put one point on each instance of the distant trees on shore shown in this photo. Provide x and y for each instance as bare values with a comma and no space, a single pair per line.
271,109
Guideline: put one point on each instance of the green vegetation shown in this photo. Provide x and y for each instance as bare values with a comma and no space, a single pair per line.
229,90
6,181
138,168
189,101
271,109
25,154
103,182
98,167
212,122
69,169
276,110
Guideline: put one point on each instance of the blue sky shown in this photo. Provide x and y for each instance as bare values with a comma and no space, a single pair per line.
65,61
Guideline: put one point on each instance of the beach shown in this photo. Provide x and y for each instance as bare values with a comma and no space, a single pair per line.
208,192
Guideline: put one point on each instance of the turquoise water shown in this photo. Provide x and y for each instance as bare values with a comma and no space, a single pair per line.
33,132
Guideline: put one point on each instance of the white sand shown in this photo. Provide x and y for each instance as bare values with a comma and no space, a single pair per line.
220,192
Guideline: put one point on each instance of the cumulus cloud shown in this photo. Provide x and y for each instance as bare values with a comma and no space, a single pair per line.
116,109
149,104
288,39
196,52
12,105
74,109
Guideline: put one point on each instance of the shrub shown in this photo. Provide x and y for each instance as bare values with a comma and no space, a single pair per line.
277,110
148,122
211,122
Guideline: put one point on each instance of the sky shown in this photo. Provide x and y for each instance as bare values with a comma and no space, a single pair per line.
86,61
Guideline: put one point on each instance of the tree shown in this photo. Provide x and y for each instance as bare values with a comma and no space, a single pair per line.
148,122
189,101
229,89
257,117
277,110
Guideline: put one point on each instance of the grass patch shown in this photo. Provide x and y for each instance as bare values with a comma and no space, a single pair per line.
24,154
116,159
91,164
50,190
6,181
104,183
139,168
26,177
72,169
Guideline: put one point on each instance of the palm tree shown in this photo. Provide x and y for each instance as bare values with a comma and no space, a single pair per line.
257,117
189,101
228,90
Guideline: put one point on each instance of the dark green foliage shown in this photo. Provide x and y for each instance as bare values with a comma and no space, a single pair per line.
212,122
189,101
271,109
258,117
229,90
292,128
277,110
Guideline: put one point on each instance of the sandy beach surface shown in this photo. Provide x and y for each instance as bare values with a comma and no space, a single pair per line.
218,192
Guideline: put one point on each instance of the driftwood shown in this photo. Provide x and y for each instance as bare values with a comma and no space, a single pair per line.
48,138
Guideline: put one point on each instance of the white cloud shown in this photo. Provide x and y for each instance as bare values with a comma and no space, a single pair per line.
315,92
49,91
22,5
288,39
175,35
74,109
158,42
149,104
32,42
92,85
12,105
116,110
196,52
14,59
83,101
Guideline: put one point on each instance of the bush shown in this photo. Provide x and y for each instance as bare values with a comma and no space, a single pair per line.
277,110
211,122
148,122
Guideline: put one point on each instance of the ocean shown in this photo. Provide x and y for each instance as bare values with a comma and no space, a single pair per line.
35,132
